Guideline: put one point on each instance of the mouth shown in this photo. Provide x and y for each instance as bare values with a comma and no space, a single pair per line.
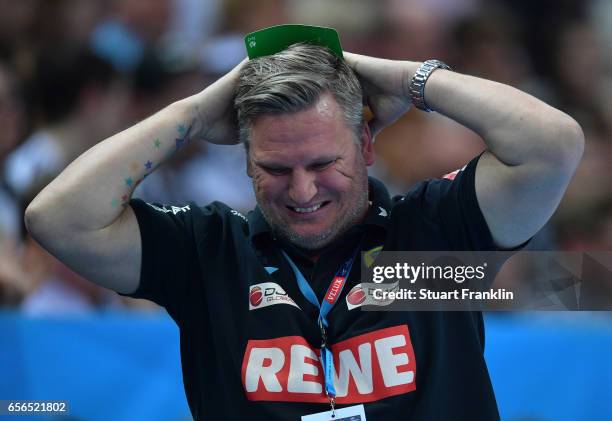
308,210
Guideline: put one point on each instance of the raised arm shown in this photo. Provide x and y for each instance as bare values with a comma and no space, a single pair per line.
532,148
82,216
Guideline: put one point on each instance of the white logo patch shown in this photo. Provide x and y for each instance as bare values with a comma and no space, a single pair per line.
238,214
267,294
173,209
363,294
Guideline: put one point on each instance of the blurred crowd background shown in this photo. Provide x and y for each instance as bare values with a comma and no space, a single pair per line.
73,72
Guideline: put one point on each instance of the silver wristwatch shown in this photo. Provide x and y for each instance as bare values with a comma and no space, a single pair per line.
417,84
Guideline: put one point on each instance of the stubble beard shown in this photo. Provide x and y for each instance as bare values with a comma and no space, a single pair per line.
343,222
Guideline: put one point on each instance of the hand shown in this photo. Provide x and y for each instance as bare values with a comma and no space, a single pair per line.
385,87
215,110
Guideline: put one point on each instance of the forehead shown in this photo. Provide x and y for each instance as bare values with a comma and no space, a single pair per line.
320,128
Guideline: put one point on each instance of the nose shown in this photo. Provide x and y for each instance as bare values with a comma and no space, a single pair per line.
302,187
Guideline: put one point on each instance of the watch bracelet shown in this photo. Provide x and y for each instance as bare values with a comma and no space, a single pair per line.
418,81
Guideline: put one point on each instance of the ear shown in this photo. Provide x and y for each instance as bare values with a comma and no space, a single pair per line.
367,145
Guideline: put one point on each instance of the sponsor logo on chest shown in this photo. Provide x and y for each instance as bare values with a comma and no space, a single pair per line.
267,294
364,294
334,288
368,367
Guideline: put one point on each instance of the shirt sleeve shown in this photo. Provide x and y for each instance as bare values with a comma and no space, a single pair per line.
169,265
460,212
451,204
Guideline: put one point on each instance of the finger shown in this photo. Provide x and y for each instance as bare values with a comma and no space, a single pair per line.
350,58
353,60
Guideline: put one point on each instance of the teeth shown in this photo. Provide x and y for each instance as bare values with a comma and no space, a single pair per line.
307,210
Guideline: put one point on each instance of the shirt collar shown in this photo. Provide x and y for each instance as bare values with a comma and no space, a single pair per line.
378,214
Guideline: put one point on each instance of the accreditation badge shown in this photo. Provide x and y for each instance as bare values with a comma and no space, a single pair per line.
350,413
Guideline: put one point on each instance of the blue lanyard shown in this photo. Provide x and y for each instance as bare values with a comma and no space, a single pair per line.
330,298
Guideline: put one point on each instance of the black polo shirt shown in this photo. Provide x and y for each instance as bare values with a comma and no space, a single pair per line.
249,338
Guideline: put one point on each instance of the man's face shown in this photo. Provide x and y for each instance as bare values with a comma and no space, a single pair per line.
309,173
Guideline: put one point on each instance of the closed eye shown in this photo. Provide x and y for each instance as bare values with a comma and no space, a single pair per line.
320,166
275,170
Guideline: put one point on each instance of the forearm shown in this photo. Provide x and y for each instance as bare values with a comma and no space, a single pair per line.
516,127
533,149
91,193
93,190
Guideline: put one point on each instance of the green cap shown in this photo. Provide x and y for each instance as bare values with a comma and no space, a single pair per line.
274,39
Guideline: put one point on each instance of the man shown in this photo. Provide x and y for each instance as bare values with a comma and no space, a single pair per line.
248,295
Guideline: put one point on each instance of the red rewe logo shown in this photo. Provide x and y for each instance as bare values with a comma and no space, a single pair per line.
368,367
334,288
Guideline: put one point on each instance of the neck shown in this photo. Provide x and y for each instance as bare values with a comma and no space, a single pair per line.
313,255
